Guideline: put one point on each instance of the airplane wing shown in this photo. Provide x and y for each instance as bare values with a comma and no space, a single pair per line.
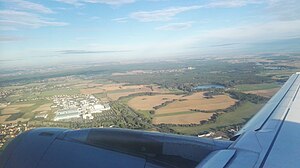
270,139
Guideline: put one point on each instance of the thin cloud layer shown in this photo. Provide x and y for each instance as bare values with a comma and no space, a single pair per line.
21,14
161,15
176,26
108,2
90,51
150,28
26,5
13,20
232,3
10,38
121,20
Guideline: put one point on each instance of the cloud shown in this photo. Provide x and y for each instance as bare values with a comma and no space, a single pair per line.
274,30
91,51
108,2
224,45
26,5
283,9
246,38
95,18
232,3
242,38
10,38
13,20
71,2
121,20
161,15
175,26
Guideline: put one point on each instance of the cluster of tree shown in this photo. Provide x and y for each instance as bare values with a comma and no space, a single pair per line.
247,97
213,92
228,109
206,72
128,118
138,94
164,104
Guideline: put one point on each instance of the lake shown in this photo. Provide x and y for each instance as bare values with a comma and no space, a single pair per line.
211,86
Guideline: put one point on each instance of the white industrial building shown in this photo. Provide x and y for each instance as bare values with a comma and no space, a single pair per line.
98,108
67,114
42,115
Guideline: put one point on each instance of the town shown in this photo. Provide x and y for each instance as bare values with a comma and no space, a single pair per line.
10,131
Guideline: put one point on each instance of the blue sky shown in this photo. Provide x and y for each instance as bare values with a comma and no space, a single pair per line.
56,31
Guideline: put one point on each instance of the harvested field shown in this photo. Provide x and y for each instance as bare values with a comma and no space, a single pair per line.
265,93
197,101
11,109
43,108
3,118
111,88
179,111
148,102
87,85
189,118
91,91
116,95
101,88
17,120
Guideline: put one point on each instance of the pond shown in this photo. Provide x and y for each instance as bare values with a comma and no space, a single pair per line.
211,86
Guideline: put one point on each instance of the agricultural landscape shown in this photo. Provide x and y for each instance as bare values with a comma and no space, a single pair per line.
190,97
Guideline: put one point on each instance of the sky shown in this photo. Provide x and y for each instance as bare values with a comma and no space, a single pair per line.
35,32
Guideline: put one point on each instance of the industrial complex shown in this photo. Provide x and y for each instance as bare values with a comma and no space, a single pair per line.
77,107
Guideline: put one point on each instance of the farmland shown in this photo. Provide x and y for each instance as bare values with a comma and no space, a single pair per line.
198,102
11,109
178,109
151,96
251,87
265,93
181,118
149,102
238,116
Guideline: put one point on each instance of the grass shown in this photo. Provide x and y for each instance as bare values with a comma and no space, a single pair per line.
15,116
251,87
28,111
145,113
121,91
276,72
13,98
100,95
102,81
240,115
175,91
60,92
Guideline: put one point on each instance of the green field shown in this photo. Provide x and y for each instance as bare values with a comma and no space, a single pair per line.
146,114
27,112
251,87
15,116
121,91
240,115
60,92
